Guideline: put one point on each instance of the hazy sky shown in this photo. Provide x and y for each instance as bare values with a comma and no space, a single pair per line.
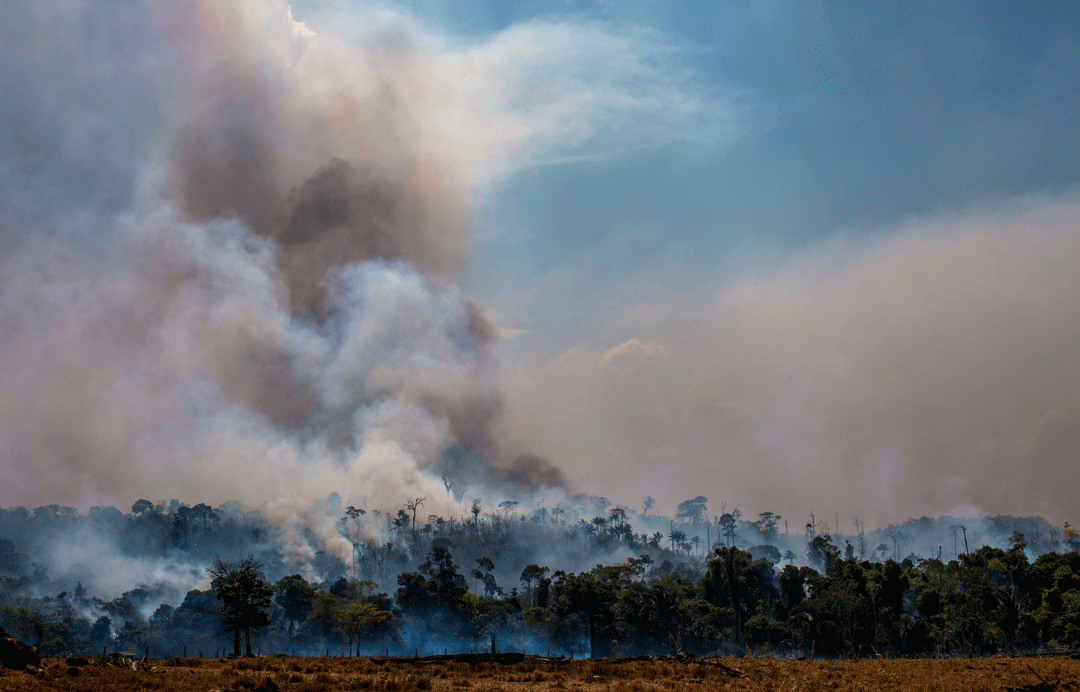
840,240
790,256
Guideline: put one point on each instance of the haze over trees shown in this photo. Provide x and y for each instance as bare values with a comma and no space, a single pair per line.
580,578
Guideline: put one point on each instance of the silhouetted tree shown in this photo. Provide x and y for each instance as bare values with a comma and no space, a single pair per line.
530,574
692,510
766,525
294,595
244,598
727,528
821,551
412,505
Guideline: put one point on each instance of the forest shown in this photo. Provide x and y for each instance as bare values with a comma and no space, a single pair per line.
580,579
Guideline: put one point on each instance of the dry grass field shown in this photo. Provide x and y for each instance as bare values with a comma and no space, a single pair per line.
534,673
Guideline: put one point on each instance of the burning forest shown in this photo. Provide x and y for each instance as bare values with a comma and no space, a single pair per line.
580,579
240,255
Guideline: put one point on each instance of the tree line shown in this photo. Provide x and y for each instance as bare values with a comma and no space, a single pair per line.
987,600
404,591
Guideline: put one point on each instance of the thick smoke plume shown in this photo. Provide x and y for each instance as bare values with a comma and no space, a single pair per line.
228,254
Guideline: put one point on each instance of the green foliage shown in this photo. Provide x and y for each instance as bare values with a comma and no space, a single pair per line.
983,601
355,619
348,611
822,552
244,598
294,595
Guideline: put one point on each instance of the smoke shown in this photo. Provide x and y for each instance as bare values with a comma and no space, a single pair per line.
228,265
87,556
929,369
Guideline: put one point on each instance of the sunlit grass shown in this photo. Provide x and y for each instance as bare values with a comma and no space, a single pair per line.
660,675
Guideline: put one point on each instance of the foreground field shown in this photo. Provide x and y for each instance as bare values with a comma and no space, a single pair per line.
533,673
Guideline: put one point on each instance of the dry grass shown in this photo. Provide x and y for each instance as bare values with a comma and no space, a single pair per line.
404,675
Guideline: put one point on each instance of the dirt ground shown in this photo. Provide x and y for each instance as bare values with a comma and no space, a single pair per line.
445,674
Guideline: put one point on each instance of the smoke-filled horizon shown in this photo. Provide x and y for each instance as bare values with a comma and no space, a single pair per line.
929,373
239,263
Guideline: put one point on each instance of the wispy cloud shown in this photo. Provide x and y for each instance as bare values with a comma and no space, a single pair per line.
545,92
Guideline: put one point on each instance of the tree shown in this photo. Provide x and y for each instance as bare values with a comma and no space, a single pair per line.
100,635
448,484
293,594
181,525
791,582
821,551
354,514
476,515
592,595
649,504
141,507
530,574
638,565
491,587
898,536
244,598
727,528
664,613
692,510
205,512
357,618
677,538
733,581
413,504
438,594
449,586
766,525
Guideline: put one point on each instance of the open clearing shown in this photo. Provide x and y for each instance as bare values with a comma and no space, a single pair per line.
1035,674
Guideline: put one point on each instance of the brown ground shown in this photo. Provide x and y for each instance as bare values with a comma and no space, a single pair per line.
332,674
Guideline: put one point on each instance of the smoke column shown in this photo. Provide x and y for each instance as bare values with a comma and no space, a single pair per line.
228,254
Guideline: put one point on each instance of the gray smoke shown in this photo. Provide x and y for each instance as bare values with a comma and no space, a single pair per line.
229,247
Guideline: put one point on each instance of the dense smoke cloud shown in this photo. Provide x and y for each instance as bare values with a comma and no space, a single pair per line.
228,262
933,371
